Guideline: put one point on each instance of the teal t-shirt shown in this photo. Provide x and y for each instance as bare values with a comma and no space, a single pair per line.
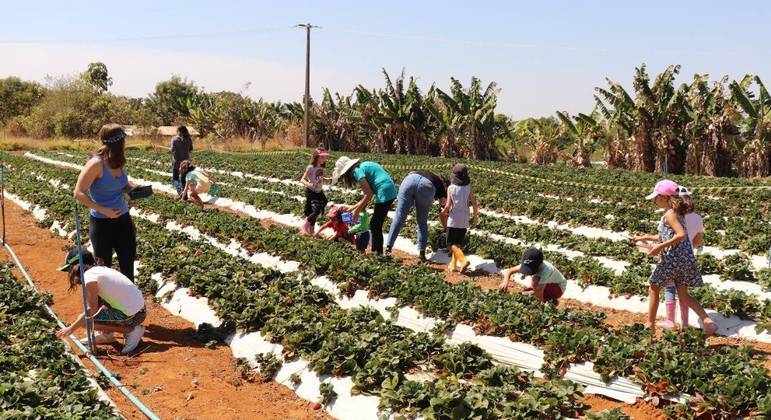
549,274
378,179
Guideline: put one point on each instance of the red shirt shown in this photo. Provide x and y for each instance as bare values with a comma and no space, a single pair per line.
337,225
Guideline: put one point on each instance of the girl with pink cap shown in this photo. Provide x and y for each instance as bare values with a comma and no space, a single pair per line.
315,199
677,265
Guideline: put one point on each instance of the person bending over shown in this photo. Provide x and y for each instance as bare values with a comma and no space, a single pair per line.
114,302
196,182
548,283
343,233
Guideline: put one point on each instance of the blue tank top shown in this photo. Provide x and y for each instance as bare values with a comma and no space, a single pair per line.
107,191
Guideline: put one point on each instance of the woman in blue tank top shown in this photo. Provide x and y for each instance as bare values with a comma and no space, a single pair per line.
101,186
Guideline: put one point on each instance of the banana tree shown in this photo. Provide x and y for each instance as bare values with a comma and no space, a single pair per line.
399,125
755,127
541,137
334,126
475,110
446,121
583,130
203,113
711,130
655,119
620,122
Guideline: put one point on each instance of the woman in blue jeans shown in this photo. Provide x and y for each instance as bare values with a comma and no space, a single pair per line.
419,190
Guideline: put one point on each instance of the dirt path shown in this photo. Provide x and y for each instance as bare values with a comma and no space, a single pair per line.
173,374
641,410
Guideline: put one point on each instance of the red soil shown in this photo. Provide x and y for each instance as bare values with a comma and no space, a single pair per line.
172,373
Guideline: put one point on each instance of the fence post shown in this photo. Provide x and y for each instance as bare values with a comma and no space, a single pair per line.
78,243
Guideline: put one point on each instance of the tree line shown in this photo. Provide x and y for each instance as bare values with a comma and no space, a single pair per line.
704,127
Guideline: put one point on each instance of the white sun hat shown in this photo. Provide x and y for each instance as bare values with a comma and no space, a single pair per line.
343,165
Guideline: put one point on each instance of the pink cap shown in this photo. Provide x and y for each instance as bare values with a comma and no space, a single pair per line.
322,152
664,187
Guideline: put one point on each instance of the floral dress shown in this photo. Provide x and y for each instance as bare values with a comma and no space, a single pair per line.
677,265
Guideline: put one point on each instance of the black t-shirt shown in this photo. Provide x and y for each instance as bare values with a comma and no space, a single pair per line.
180,149
440,191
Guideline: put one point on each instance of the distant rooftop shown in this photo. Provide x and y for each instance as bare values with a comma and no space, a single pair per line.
164,130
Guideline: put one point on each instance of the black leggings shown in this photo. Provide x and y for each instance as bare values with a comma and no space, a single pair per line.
115,234
315,202
376,225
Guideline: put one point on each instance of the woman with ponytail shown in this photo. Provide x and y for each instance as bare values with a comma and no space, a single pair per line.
101,186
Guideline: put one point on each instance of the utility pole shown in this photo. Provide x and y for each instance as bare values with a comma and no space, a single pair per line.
306,101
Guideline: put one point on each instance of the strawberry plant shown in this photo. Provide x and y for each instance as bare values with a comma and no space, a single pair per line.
39,379
327,392
462,360
708,264
284,306
295,379
611,414
764,278
268,364
737,267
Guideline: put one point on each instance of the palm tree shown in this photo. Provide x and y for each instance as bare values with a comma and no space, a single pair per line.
755,158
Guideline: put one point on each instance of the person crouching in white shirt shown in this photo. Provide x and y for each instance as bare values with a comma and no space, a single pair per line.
114,302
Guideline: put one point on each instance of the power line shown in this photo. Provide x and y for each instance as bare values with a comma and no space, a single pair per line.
420,38
545,47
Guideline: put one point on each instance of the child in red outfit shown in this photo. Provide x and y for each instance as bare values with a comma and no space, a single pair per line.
342,231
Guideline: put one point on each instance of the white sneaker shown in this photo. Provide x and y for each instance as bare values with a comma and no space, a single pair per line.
132,339
99,338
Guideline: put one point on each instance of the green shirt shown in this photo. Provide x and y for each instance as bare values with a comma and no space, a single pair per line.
378,179
549,274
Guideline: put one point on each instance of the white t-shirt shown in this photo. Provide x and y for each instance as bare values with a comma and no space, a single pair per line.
117,290
693,225
315,174
459,212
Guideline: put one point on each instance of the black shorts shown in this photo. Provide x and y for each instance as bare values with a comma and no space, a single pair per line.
455,236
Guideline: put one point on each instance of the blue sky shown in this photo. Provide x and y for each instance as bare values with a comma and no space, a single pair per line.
545,55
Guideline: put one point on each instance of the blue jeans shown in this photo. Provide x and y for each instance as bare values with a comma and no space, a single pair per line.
669,294
175,177
414,191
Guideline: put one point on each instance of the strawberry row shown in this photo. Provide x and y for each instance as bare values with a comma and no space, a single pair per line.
559,331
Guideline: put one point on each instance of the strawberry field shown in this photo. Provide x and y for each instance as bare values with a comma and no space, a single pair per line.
40,377
367,335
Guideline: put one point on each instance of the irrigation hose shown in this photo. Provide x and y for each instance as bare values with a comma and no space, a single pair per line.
134,400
